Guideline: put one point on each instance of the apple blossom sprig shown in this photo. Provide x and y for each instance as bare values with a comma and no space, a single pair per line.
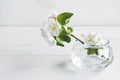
56,31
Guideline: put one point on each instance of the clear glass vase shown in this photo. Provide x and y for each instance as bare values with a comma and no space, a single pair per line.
91,57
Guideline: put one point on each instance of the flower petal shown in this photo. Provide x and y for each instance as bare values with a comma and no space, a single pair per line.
48,38
51,41
56,32
44,33
58,26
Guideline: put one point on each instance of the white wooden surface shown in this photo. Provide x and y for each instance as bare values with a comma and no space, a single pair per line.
24,55
51,68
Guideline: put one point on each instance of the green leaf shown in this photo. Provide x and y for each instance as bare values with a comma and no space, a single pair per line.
92,51
63,31
65,37
59,41
59,44
64,18
70,29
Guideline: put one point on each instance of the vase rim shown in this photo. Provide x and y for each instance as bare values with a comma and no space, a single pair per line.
96,46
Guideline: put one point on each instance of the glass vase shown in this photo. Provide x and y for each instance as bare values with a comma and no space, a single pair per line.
91,57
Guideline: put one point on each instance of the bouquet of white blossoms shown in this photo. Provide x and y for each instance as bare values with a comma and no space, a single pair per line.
56,31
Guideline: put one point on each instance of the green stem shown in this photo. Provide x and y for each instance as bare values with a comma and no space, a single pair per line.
77,38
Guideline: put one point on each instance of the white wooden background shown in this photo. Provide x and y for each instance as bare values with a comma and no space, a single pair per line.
35,12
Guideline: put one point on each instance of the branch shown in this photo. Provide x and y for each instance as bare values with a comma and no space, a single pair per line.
77,38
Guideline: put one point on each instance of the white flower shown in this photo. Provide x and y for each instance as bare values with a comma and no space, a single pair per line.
53,27
93,38
50,30
48,38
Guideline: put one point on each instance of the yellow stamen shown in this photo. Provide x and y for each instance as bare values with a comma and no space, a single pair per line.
89,38
53,27
99,38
